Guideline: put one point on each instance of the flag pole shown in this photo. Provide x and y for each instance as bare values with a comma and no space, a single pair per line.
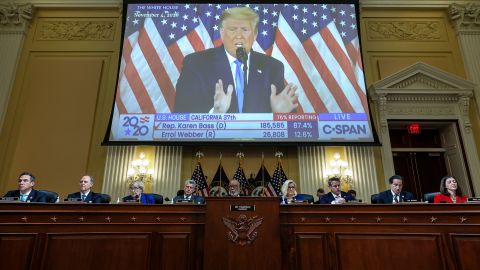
263,175
240,156
221,167
199,155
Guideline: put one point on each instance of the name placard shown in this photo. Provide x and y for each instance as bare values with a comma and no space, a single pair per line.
9,199
250,208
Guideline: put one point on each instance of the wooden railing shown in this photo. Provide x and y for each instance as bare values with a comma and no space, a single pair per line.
244,233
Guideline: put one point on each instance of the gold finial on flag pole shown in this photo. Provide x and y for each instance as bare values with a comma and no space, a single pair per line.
240,156
199,155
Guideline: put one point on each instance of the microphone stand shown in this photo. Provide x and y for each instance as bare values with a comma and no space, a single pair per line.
245,74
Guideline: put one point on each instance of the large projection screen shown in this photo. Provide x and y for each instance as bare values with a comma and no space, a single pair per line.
217,72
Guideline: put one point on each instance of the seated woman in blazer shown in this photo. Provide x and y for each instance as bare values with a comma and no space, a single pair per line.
450,192
136,194
289,193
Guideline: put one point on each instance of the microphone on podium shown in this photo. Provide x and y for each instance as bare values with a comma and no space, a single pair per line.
242,56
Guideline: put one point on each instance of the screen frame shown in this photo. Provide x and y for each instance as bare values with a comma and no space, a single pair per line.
107,142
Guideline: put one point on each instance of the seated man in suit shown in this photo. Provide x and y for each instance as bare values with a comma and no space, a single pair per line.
234,188
136,194
86,194
188,195
25,191
395,193
335,196
213,80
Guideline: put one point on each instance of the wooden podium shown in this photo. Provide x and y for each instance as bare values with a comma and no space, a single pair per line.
242,233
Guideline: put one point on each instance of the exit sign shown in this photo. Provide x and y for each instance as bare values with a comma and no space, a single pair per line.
414,128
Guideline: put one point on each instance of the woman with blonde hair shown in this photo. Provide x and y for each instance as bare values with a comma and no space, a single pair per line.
136,194
289,193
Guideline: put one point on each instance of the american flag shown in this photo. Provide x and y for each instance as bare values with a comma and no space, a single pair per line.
278,179
220,178
251,182
240,177
263,178
201,182
317,43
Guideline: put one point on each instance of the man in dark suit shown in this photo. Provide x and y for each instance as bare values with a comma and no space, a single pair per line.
25,192
86,194
395,193
188,195
234,188
335,196
210,80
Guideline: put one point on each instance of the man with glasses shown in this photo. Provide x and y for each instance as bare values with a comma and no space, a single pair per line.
188,195
234,188
335,196
25,192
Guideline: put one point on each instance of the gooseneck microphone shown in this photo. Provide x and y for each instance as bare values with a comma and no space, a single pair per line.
242,56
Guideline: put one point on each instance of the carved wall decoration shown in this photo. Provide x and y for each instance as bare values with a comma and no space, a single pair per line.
464,103
427,82
15,14
404,30
242,229
76,30
465,16
413,110
422,99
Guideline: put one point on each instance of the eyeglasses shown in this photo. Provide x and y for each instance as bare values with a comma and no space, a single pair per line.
291,186
135,188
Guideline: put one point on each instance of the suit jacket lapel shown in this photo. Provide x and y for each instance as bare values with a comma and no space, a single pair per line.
390,196
89,197
255,70
32,195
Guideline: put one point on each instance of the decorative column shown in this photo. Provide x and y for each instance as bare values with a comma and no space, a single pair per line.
311,165
466,19
116,167
14,22
168,171
362,162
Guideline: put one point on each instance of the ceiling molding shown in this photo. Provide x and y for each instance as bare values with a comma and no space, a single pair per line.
363,3
71,3
411,3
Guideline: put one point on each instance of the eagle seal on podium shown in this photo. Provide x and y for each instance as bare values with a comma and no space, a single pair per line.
242,229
